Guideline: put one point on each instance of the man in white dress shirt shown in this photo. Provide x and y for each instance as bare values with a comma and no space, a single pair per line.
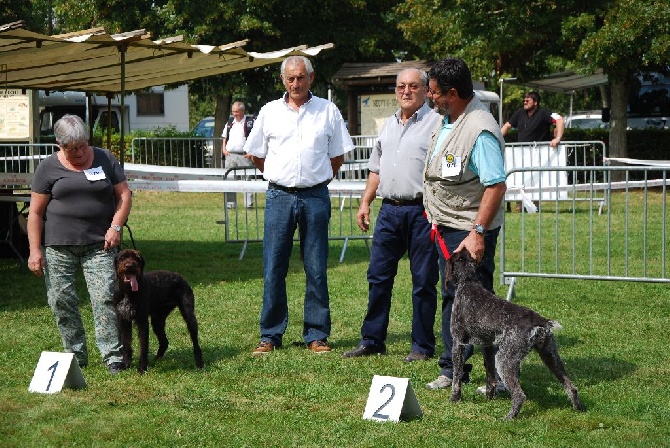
298,142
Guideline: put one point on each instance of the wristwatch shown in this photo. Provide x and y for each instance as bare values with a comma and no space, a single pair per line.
117,228
480,229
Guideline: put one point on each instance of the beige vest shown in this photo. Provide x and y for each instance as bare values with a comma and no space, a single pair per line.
453,199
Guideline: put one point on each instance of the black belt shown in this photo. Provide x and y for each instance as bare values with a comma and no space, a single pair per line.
417,201
274,186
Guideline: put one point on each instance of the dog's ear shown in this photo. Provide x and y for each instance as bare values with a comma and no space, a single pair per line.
140,257
449,270
117,258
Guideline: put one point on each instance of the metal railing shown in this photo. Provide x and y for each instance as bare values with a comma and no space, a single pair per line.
187,152
574,239
19,160
540,154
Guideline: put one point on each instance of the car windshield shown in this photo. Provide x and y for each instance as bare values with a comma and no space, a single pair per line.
205,127
586,123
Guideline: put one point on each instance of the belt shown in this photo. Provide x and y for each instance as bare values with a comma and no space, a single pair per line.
274,186
399,202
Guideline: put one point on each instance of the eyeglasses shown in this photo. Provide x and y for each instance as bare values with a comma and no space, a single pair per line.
73,148
402,87
435,93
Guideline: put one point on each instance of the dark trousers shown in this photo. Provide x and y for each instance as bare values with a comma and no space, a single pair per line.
486,268
402,229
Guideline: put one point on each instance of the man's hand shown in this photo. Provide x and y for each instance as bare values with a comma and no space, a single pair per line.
363,217
473,243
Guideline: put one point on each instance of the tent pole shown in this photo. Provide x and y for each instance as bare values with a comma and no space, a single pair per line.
122,149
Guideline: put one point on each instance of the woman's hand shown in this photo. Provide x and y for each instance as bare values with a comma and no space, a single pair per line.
112,238
36,263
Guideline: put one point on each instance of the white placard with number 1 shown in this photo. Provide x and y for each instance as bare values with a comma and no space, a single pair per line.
54,371
391,399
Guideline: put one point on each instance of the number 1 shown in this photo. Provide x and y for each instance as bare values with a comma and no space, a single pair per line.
53,367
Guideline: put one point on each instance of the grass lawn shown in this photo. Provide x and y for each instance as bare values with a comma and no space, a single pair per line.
614,344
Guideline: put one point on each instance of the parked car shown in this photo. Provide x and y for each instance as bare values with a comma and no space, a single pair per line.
205,127
586,120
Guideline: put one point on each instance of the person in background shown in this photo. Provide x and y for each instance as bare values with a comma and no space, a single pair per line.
533,122
79,201
298,143
396,174
464,188
234,135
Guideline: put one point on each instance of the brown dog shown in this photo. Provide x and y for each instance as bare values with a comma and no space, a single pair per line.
139,295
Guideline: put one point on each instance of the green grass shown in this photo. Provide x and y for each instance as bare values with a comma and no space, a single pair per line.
614,344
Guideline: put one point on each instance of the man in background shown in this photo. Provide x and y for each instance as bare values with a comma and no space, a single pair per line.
533,122
234,137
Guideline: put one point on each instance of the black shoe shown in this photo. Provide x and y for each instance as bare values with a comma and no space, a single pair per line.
116,367
416,356
365,350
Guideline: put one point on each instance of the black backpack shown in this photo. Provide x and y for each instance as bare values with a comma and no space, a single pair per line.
248,125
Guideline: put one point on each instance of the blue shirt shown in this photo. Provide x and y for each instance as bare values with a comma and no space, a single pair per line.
486,160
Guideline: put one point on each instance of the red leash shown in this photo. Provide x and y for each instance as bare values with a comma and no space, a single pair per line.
434,233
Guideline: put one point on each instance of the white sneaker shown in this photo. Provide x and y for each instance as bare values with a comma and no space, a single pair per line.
442,382
500,389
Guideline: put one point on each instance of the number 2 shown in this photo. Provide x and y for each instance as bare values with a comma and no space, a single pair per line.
376,413
53,367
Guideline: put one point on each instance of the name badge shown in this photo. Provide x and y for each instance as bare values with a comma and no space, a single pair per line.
451,165
95,173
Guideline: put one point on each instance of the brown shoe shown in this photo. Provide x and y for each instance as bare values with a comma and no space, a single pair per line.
263,347
318,347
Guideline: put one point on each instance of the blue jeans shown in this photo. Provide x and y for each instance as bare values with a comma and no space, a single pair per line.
486,268
401,229
62,263
309,211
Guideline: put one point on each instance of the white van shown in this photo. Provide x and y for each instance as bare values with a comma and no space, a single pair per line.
586,120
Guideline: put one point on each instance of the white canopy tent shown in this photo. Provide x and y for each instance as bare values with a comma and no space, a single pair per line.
95,62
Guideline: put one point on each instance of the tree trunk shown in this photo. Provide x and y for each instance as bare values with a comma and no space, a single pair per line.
618,123
221,114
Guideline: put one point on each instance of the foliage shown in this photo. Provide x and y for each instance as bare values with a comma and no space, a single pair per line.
516,38
294,398
628,36
15,10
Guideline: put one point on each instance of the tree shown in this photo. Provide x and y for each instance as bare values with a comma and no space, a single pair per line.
529,39
518,38
15,10
626,38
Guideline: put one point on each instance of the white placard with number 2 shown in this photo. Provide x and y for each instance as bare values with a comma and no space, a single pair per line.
54,371
391,399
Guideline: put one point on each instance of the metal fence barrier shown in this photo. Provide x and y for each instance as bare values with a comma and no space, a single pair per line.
572,237
188,152
540,154
21,159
